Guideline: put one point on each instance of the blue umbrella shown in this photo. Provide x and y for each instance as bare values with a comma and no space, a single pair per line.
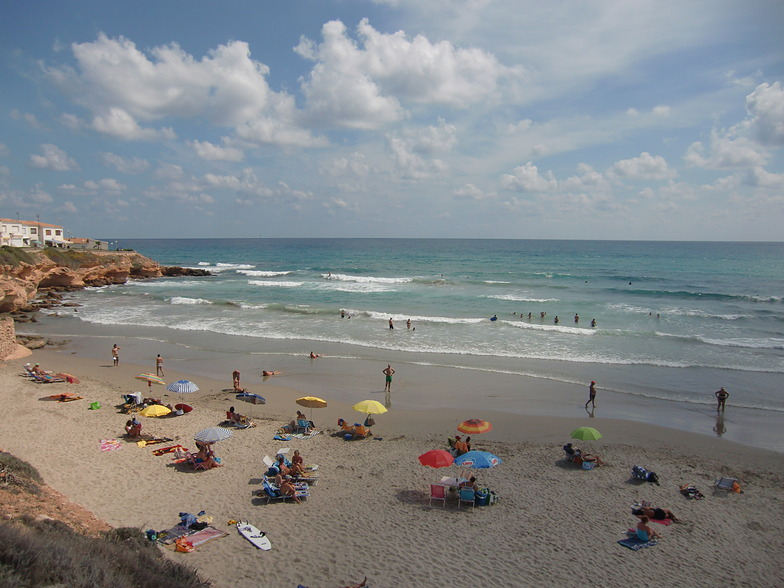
182,387
478,460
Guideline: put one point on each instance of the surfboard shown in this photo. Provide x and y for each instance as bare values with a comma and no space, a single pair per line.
252,534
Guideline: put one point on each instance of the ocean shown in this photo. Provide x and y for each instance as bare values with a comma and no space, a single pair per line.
674,321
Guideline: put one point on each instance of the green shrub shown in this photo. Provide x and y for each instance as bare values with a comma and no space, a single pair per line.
13,256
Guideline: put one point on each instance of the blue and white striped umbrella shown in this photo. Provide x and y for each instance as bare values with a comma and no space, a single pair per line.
182,387
212,435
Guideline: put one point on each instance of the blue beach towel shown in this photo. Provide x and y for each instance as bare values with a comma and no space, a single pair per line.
280,437
635,544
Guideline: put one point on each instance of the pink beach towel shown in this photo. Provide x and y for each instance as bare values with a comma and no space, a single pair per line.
110,444
665,522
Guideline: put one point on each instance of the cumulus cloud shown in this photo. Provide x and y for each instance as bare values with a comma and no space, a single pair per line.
106,186
766,108
54,158
355,164
27,117
210,152
644,167
526,178
726,151
362,84
471,192
122,86
126,165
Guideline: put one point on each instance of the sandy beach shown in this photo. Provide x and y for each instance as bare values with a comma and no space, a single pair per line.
368,515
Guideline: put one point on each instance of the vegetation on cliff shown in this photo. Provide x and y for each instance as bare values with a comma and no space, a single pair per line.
47,541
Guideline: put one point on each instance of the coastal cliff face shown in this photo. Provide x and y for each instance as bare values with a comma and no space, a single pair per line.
24,272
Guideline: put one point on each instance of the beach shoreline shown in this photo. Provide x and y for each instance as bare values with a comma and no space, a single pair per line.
372,498
422,383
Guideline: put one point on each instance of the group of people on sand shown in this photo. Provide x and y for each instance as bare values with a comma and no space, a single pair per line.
577,455
647,514
286,474
461,447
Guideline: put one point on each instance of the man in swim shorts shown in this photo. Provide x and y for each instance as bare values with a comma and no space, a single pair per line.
388,371
591,395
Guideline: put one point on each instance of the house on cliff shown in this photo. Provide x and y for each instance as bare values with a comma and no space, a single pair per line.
20,233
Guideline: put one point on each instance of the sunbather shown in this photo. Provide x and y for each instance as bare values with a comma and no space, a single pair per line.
206,456
656,514
288,489
133,428
268,373
644,532
470,483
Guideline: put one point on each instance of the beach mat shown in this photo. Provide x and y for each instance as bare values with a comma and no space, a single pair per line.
206,535
306,436
665,522
110,444
636,544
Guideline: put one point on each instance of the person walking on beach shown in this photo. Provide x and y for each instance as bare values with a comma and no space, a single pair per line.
388,371
591,395
116,355
721,396
159,366
391,326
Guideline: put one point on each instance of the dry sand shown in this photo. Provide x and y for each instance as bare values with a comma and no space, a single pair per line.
555,525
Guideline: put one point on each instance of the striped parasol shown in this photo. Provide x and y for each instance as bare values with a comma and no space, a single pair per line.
182,387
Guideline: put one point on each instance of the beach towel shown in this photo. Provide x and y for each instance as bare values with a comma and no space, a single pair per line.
206,535
665,522
306,435
279,437
636,544
110,444
170,449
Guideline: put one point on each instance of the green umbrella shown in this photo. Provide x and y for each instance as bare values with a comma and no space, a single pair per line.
586,434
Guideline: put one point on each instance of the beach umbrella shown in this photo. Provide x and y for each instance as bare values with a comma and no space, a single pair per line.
212,435
311,402
150,379
182,387
436,458
478,460
370,407
586,434
71,379
155,410
183,407
474,427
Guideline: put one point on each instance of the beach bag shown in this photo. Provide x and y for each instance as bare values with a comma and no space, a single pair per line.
369,422
182,545
492,498
95,405
653,478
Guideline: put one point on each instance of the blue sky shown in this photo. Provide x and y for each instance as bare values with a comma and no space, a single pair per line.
395,118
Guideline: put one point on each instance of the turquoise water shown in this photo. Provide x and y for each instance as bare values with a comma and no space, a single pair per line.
674,321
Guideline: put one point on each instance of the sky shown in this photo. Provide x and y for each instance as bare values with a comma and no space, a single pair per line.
608,119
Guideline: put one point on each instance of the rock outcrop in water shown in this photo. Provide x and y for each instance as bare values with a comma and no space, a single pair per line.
24,273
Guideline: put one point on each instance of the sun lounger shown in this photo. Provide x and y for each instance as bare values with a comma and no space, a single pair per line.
272,492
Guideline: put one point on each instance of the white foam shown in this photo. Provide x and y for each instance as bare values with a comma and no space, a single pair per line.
262,273
277,284
186,300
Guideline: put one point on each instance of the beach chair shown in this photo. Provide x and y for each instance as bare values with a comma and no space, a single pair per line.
47,379
302,426
467,495
272,492
437,492
361,431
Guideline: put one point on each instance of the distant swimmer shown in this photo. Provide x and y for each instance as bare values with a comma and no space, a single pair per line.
494,318
529,316
593,322
542,314
329,275
576,318
314,355
408,324
342,313
391,326
269,373
556,320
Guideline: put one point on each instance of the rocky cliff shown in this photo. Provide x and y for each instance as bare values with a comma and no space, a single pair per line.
23,272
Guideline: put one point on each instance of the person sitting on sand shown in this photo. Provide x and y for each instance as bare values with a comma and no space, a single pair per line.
644,532
460,446
288,489
576,455
468,444
206,455
268,373
133,428
656,514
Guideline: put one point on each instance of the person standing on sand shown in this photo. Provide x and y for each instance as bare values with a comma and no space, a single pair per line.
721,396
388,371
591,395
235,378
159,366
116,355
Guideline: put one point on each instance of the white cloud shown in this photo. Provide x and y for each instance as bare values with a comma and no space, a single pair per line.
526,178
28,117
126,165
410,164
726,152
210,152
766,108
355,164
471,192
122,86
644,167
53,158
169,171
362,86
662,111
758,177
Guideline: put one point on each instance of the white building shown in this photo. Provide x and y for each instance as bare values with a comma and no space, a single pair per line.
20,233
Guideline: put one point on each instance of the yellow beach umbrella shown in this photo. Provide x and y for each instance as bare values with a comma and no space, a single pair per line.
155,410
370,407
311,402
